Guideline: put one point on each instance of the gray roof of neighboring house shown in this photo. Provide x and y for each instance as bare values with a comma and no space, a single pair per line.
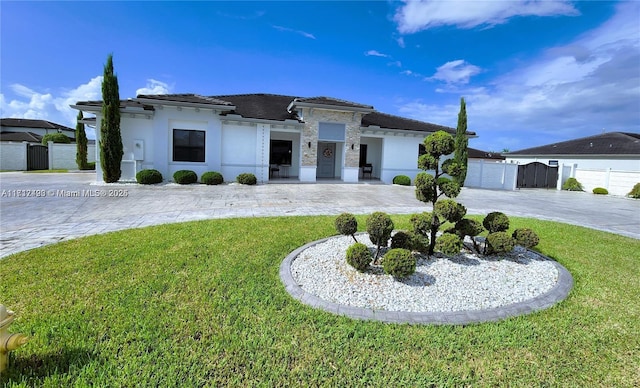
31,123
610,143
20,136
474,153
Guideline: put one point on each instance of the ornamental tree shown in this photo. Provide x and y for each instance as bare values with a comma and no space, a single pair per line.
81,144
430,187
462,142
110,139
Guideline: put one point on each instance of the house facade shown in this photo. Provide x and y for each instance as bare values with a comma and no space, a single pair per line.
271,136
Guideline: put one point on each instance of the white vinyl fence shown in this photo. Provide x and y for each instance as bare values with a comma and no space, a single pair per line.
491,175
13,156
616,182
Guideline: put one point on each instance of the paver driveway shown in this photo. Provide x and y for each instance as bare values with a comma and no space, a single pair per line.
71,205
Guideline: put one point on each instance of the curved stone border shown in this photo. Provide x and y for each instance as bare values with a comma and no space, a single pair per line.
558,293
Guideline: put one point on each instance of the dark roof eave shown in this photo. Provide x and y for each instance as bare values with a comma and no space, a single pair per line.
149,101
342,108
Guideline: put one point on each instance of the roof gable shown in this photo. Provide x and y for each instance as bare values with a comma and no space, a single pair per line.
260,106
610,143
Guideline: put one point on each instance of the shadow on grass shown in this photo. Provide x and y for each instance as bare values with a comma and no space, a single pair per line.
36,367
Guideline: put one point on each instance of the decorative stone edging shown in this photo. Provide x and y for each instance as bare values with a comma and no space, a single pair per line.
558,293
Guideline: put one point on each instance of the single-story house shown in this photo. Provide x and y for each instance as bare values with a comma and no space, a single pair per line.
30,130
271,136
476,154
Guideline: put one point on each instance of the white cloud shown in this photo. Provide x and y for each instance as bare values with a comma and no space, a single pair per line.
154,87
569,91
375,53
400,41
299,32
395,63
455,72
416,16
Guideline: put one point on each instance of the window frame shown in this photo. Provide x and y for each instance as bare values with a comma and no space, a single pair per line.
200,156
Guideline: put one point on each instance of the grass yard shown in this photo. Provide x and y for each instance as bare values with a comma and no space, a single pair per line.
201,304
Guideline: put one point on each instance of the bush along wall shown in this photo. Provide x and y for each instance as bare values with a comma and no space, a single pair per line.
600,191
148,177
246,179
635,192
185,177
212,178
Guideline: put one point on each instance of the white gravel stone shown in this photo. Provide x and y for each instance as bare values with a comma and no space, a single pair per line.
464,282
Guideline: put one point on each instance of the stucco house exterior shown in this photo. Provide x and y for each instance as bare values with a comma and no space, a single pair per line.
271,136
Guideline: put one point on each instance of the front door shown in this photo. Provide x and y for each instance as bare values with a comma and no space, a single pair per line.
326,160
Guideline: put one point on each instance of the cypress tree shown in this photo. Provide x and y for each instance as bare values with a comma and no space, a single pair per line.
110,139
460,155
81,144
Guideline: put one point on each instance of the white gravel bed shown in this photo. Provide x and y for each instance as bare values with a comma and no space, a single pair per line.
464,282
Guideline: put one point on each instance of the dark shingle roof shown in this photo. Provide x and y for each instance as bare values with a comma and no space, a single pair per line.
384,120
473,153
123,104
261,106
20,136
188,98
611,143
321,100
30,123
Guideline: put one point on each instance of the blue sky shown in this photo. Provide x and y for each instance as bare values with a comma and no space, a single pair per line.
532,72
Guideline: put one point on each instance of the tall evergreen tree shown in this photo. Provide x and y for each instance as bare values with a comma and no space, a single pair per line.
81,144
110,139
460,155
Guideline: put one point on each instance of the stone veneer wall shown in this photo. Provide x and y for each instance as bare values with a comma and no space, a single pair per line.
313,117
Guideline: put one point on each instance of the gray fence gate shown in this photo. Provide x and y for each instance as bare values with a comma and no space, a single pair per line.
537,175
37,157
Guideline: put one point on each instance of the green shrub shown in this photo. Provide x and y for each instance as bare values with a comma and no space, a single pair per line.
496,222
419,243
402,240
402,180
212,178
379,227
526,237
358,256
450,210
56,138
422,223
450,188
449,244
246,178
185,177
500,242
600,191
572,184
148,177
399,263
471,228
347,224
90,166
635,192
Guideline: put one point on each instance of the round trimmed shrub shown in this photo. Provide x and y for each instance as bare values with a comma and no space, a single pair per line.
399,263
635,192
469,227
379,227
148,177
450,210
449,244
247,178
496,222
439,143
401,239
600,191
419,243
56,138
572,184
346,224
422,223
402,180
526,237
450,188
424,187
358,256
185,177
500,242
212,178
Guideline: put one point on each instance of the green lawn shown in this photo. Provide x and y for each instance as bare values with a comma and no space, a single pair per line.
201,304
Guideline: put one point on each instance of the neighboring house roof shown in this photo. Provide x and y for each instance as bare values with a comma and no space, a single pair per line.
20,136
473,153
31,123
610,143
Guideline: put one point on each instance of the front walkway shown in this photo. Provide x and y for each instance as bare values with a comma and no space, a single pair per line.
70,206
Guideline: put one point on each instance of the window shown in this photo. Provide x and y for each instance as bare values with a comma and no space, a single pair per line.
331,131
280,152
188,145
421,150
553,163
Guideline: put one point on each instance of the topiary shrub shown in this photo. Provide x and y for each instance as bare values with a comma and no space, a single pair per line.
526,237
246,178
600,191
402,240
499,242
450,210
148,177
347,224
471,228
212,178
422,223
449,244
572,184
419,243
379,227
56,138
635,192
185,177
399,263
496,222
358,256
402,180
